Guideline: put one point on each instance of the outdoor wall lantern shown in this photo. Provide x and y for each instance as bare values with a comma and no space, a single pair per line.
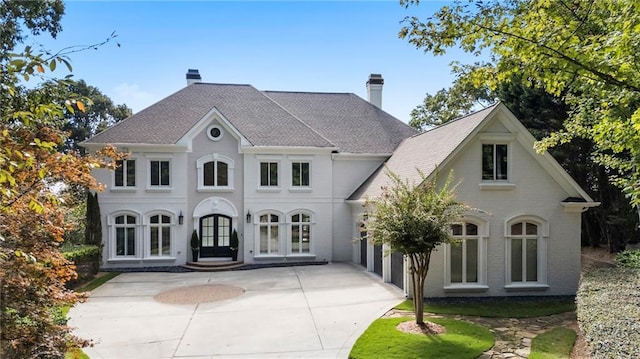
248,216
180,218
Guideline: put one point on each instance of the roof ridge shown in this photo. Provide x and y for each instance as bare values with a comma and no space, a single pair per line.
296,117
459,118
312,92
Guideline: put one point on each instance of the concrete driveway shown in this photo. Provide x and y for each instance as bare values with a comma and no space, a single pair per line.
290,312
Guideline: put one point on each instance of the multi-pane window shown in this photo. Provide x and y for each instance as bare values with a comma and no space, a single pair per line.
125,173
524,240
269,174
216,173
300,233
300,174
159,171
494,162
269,236
463,254
160,235
125,235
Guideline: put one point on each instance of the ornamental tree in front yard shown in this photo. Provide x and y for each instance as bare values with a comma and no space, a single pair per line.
414,219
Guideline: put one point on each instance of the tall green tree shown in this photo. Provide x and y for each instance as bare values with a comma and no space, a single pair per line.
583,51
414,219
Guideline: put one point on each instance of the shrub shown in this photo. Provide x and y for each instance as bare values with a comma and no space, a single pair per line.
608,309
87,261
628,259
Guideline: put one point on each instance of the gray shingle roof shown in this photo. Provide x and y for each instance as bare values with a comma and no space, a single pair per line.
422,152
266,118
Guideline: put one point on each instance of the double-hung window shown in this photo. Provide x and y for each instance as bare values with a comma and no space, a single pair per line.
125,226
125,173
494,162
300,174
269,174
159,173
160,236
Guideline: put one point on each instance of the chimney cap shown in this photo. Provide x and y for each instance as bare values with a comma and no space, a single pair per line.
193,74
375,79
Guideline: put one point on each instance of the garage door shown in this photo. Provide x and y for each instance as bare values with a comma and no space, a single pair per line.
377,259
397,269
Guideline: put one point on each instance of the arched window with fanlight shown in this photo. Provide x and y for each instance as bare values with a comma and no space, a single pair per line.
526,252
466,255
160,235
215,173
269,243
300,233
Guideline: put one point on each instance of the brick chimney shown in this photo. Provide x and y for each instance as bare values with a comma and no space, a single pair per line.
193,76
374,89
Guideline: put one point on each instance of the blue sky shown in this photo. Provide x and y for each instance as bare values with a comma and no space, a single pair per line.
324,46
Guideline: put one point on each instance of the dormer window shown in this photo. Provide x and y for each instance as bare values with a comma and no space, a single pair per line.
494,162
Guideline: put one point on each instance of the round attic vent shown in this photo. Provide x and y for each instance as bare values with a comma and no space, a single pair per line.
215,133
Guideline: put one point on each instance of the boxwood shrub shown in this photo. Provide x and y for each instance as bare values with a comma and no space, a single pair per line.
628,259
608,310
87,261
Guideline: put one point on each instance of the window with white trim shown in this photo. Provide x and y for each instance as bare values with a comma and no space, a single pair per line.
523,245
464,254
269,174
300,233
215,173
160,235
300,174
269,234
494,162
125,230
159,173
125,173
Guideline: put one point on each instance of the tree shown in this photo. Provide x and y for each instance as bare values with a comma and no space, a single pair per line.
32,269
414,220
98,113
582,51
92,225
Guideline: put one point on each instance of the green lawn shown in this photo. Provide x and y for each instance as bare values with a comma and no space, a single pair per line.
497,309
382,340
557,343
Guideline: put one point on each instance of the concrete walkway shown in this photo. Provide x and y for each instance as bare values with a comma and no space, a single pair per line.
290,312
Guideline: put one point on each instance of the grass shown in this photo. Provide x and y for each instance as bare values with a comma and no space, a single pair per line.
76,353
382,340
98,282
557,343
496,309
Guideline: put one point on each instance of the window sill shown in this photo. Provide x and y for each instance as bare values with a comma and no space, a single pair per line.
159,259
497,186
158,189
123,260
268,256
527,287
214,189
466,288
301,256
300,189
124,189
269,189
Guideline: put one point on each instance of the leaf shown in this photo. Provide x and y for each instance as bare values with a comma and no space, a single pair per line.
80,106
52,65
40,68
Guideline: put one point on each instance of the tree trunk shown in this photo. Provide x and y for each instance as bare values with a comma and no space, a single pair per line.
419,266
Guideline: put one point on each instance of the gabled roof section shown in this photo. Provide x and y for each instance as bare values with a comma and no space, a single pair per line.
255,116
326,120
423,152
352,124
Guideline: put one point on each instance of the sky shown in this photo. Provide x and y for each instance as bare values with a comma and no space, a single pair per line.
309,46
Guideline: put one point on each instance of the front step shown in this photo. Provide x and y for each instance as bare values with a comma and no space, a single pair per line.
213,266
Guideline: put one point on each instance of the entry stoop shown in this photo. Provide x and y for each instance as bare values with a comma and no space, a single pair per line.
213,266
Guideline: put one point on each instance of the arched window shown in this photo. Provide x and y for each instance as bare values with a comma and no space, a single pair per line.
215,172
523,240
464,253
125,228
300,233
269,234
160,235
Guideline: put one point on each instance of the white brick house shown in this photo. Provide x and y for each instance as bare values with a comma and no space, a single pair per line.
290,171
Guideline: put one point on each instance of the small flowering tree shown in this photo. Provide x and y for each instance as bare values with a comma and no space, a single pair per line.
414,220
